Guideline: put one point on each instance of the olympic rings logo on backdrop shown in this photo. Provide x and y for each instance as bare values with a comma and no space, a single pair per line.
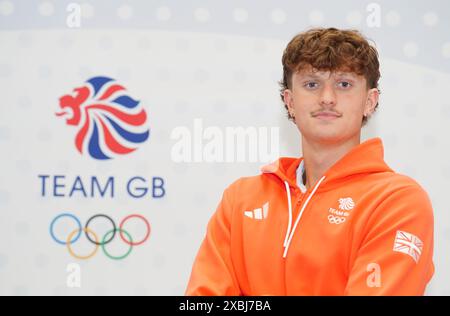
94,239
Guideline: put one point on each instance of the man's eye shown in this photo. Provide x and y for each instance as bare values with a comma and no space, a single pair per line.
311,85
345,84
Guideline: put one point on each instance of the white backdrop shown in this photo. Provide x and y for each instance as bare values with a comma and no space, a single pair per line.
210,70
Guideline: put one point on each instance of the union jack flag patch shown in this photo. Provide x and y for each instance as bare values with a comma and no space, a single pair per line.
409,244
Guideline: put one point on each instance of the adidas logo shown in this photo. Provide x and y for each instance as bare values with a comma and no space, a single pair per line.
259,213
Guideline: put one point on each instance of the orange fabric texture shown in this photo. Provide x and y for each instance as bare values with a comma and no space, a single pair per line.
363,230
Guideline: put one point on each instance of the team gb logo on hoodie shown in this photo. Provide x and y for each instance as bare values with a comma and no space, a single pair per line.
339,216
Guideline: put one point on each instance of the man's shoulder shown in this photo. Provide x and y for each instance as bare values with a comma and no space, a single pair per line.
244,184
406,193
400,182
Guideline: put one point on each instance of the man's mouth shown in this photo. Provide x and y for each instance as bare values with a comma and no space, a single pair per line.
326,115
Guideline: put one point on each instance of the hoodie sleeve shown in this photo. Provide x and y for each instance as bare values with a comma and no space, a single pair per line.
395,256
213,271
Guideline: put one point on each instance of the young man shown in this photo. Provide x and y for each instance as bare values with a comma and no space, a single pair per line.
337,221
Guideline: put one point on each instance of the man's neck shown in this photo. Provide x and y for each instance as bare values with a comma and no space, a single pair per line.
320,157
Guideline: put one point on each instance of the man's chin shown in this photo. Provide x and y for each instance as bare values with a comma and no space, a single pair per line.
325,136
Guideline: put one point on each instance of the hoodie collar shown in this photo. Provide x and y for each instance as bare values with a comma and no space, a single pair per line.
367,157
300,175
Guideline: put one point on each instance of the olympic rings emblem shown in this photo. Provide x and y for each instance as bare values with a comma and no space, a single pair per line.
93,238
335,219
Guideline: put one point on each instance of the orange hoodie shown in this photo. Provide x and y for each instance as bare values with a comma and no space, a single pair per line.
362,229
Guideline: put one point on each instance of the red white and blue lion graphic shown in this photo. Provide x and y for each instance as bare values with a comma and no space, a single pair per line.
110,123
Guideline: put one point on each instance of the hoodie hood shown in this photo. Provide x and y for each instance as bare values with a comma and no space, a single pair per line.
365,158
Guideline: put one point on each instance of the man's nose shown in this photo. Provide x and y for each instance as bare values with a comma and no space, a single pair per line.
328,96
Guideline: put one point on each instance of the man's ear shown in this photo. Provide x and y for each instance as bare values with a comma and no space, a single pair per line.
287,95
372,101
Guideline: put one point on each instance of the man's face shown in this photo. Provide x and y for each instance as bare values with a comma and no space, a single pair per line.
329,107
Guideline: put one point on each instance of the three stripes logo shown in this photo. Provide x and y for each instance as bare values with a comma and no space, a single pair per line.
259,213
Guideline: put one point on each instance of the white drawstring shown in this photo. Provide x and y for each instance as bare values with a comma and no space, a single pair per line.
286,245
288,191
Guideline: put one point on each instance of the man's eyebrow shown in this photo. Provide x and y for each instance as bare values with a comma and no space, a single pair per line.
346,74
308,76
305,76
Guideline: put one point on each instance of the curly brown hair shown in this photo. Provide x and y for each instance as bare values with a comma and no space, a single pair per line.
330,49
